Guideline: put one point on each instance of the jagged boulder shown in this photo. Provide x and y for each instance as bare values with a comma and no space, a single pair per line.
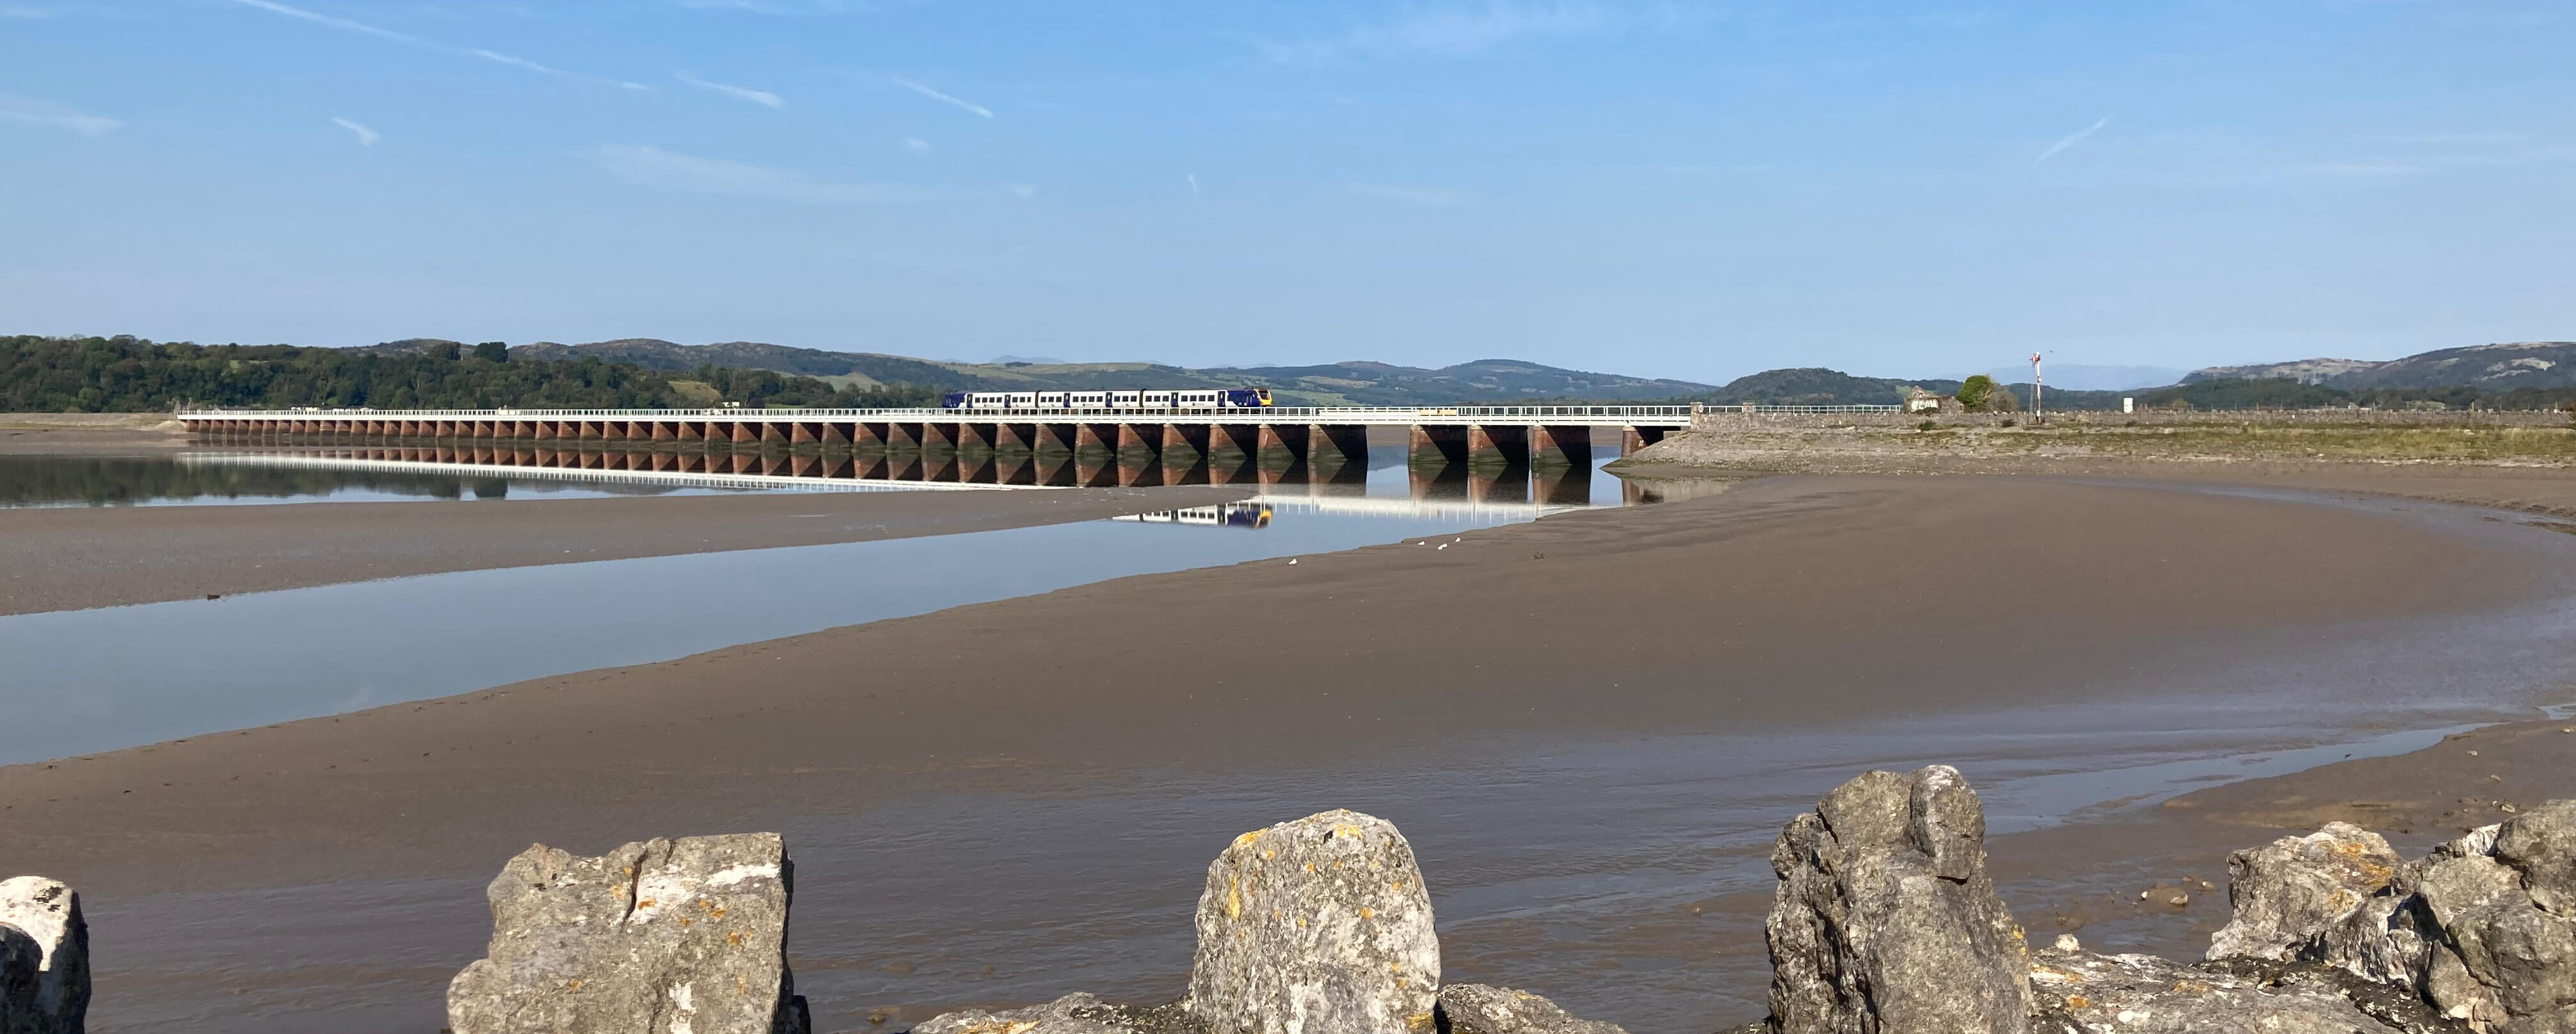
44,958
2285,891
1484,1009
1319,925
1071,1014
2082,993
2506,956
2480,928
664,936
1884,918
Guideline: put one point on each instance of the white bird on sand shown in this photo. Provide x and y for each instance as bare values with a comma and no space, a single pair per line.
1292,561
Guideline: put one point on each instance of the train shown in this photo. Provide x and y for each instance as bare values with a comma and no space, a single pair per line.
1222,515
1207,398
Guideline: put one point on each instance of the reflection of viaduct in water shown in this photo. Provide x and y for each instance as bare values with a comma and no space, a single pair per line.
1514,434
1294,487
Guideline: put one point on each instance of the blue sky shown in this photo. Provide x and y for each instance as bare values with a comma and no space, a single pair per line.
1672,188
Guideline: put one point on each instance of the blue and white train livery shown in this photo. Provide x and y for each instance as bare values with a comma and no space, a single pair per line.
1207,398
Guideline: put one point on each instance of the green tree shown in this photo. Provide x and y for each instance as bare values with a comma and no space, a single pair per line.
492,352
1976,392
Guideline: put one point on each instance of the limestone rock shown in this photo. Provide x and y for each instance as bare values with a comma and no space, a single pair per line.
2082,993
1885,919
1484,1009
2506,957
1071,1014
685,936
1316,926
2288,890
44,958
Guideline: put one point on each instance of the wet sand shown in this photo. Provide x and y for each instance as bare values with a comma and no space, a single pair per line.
1009,801
72,558
2532,489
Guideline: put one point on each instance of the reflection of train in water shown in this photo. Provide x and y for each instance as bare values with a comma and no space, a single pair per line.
1222,515
1210,398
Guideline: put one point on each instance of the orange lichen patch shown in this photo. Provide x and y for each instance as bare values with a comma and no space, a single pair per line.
1368,913
2053,975
2190,987
1247,839
2359,858
2077,1001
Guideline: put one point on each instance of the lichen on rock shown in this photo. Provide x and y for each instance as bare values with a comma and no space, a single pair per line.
2284,891
1316,926
685,936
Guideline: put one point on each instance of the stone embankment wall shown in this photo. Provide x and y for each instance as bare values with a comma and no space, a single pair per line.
1883,921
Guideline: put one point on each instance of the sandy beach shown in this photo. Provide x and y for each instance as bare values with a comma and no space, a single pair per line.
1469,693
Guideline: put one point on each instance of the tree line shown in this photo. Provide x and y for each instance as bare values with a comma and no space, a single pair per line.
126,374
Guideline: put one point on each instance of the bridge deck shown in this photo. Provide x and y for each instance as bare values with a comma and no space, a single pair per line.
1366,416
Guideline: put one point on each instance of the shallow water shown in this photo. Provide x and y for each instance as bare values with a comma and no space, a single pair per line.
259,658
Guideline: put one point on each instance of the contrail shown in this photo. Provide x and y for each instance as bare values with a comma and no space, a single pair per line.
942,98
2071,140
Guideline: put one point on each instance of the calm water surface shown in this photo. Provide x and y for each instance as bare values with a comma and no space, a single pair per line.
259,658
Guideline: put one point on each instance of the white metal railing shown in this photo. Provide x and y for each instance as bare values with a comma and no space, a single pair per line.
1759,410
1674,415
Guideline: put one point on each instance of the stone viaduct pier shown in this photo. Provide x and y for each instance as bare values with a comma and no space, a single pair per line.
1460,434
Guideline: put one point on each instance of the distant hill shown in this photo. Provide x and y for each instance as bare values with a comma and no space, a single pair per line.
1817,386
127,374
2500,367
2304,371
1333,384
2087,377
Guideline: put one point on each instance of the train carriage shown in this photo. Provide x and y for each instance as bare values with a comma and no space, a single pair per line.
1041,401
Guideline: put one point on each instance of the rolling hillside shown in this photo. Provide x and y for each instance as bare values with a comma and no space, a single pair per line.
1332,384
2500,367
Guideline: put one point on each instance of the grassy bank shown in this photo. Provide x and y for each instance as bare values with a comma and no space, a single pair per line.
1831,449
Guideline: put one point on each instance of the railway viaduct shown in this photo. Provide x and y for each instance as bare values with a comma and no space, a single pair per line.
1517,434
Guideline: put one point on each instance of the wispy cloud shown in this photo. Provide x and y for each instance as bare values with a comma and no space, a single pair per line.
33,112
1023,191
805,7
339,23
943,98
916,145
760,97
655,167
366,137
2070,140
2445,139
1457,30
1194,184
2354,170
380,32
521,62
1423,196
